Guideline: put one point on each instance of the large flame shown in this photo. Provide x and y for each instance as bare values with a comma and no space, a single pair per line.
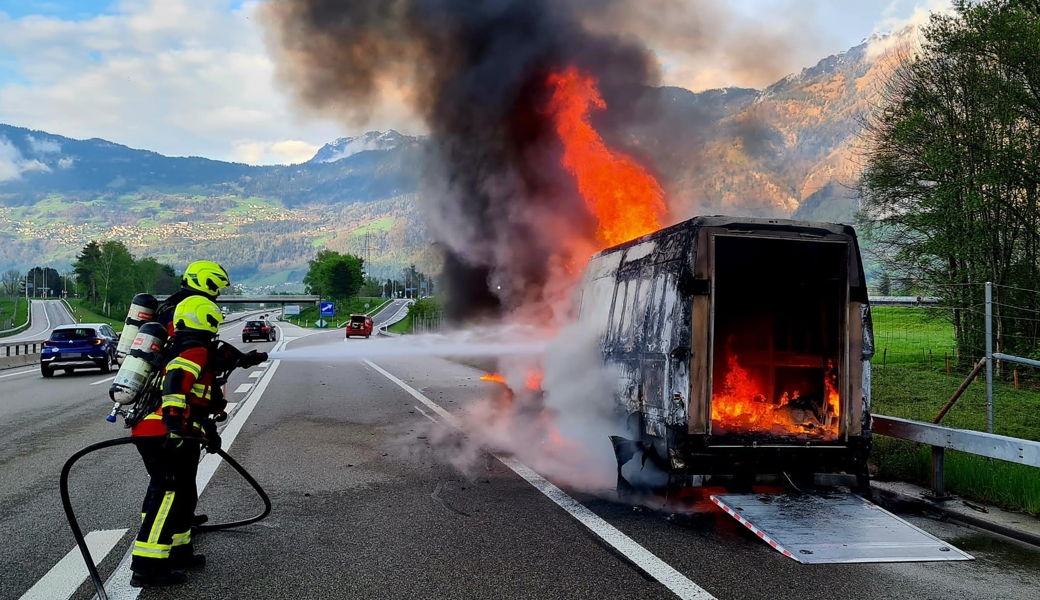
742,406
622,195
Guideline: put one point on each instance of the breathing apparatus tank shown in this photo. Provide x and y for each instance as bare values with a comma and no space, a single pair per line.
142,310
144,357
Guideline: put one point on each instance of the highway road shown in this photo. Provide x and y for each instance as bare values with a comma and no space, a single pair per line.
46,315
357,458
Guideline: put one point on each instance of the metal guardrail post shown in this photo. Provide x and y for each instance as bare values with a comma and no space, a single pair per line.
939,473
989,355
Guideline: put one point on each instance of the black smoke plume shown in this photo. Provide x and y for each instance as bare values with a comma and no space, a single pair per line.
475,71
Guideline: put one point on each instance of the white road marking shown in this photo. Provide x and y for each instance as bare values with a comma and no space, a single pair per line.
62,581
99,382
425,415
245,387
264,365
256,374
19,373
118,584
675,581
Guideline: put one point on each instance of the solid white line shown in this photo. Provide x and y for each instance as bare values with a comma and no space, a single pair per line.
256,374
675,581
99,382
245,387
62,581
20,373
118,585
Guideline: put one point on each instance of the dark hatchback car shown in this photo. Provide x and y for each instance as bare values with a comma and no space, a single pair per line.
82,346
259,330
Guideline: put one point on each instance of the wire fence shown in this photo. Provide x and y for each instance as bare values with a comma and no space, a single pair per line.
431,324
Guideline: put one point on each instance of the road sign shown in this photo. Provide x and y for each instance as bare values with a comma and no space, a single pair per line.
367,305
321,323
292,309
328,309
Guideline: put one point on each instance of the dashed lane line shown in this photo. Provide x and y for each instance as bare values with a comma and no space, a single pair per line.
664,573
256,374
245,387
100,381
19,373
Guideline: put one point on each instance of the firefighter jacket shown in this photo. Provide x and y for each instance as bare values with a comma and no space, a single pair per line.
186,392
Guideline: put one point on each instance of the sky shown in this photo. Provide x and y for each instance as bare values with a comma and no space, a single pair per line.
194,78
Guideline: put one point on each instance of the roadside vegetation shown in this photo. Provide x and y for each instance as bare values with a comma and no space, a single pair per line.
423,316
344,308
911,386
13,312
83,312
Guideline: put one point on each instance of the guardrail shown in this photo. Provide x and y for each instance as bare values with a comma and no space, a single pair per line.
21,347
397,318
941,439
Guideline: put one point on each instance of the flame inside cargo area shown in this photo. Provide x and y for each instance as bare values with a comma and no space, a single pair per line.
804,408
625,199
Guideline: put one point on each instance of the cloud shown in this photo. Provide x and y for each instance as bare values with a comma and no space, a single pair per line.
181,77
43,146
286,152
13,164
899,28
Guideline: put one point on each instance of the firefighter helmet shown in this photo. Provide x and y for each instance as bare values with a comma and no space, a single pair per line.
207,277
197,314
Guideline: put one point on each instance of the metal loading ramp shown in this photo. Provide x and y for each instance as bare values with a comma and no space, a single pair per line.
834,528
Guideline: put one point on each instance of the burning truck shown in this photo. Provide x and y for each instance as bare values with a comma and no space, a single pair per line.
743,348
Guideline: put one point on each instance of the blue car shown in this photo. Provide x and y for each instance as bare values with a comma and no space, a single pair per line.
81,346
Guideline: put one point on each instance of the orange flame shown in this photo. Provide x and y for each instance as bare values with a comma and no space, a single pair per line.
742,406
496,377
533,383
627,201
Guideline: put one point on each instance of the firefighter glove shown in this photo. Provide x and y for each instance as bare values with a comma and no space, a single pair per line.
213,441
251,359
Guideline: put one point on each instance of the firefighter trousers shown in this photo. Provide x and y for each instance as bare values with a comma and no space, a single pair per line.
169,506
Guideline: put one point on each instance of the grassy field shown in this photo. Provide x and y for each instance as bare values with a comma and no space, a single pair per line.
906,335
9,316
907,385
402,326
83,311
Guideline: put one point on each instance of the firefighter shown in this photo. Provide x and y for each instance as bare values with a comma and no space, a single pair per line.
201,278
164,541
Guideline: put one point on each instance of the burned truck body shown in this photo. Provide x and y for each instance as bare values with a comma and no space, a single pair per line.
743,346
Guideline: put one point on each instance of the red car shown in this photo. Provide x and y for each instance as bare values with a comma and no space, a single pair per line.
360,325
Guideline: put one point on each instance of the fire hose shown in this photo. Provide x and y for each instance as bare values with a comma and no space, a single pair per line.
74,524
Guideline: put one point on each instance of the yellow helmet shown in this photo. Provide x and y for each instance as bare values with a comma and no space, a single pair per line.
207,277
197,313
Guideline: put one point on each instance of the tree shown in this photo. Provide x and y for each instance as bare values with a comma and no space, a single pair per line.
87,263
9,282
951,188
114,276
334,275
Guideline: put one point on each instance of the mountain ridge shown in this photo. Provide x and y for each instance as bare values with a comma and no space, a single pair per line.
785,150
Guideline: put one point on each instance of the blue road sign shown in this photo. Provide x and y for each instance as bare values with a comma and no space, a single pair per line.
328,309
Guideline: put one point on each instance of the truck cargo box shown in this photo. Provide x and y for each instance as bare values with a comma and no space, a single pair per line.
743,345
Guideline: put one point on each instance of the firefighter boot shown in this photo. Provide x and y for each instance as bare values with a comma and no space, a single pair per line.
160,579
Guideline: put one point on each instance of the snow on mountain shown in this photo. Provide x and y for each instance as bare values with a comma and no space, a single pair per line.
371,141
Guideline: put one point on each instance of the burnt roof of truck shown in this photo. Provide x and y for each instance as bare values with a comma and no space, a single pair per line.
745,224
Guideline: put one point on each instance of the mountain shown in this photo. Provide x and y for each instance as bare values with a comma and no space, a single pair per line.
790,149
371,141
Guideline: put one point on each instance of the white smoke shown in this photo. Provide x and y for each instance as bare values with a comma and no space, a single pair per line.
13,164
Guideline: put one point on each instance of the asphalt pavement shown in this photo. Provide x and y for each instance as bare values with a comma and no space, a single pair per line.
376,496
46,315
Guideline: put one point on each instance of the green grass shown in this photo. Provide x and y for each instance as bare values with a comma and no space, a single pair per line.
919,394
403,326
906,335
9,317
384,224
83,311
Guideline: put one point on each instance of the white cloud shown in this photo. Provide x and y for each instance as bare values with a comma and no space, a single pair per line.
287,152
901,25
13,164
43,146
180,77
